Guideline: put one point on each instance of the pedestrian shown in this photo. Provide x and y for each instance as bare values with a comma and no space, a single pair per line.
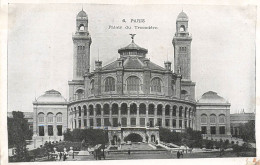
178,154
60,155
128,151
181,154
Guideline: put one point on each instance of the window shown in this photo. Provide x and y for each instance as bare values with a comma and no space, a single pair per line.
203,119
180,123
106,122
213,130
142,122
92,87
180,112
174,110
133,83
79,110
41,130
124,122
174,123
221,130
221,119
167,110
159,122
109,84
123,109
79,94
156,85
114,109
106,109
212,119
59,118
85,110
182,28
133,109
151,109
159,109
91,111
79,121
91,122
151,122
115,122
59,130
184,94
85,122
142,109
81,27
50,130
133,121
50,118
99,122
167,122
98,109
204,130
41,117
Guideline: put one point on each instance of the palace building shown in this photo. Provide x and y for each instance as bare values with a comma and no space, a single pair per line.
131,94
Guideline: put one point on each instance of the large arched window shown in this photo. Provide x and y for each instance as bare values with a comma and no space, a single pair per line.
174,109
142,109
167,110
50,117
212,119
114,109
106,109
80,94
91,110
133,83
180,111
156,85
41,117
222,119
109,84
182,28
184,94
59,117
98,109
159,109
133,109
203,119
151,109
123,108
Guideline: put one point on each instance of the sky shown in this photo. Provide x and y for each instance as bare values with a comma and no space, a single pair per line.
40,47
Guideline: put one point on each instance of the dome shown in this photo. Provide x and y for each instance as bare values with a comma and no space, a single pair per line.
132,46
211,97
182,17
51,96
82,14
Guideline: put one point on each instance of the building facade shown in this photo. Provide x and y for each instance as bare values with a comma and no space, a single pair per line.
49,117
131,94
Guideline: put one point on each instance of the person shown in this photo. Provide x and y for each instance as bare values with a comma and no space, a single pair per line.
181,153
128,151
65,154
178,154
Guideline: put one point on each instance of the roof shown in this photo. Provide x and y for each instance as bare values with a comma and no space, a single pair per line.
212,97
51,96
134,63
82,13
182,17
132,46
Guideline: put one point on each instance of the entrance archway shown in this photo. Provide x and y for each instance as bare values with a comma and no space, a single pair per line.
134,137
115,139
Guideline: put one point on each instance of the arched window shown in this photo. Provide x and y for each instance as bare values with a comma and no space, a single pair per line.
92,86
59,117
159,109
50,117
80,94
91,111
184,94
182,28
81,27
221,119
180,111
106,109
174,108
156,85
79,110
212,118
133,83
114,109
98,109
142,109
167,110
151,109
85,110
109,84
124,109
133,109
185,112
203,119
41,117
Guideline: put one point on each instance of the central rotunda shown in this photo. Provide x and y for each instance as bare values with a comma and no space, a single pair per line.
131,95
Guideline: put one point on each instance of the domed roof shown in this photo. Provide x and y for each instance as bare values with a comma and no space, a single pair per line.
82,14
132,46
51,96
182,17
211,97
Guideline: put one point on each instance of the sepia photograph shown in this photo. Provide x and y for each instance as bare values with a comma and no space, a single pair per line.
92,82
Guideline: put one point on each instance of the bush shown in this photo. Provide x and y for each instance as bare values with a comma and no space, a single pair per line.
133,137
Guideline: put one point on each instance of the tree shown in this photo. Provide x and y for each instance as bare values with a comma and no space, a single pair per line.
247,131
18,132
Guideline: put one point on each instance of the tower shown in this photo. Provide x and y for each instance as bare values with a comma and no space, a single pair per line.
182,47
82,41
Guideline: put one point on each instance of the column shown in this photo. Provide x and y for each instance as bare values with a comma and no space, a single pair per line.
177,118
146,116
137,117
54,127
155,116
88,118
82,118
110,115
102,117
46,126
119,115
163,116
171,118
94,119
128,116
